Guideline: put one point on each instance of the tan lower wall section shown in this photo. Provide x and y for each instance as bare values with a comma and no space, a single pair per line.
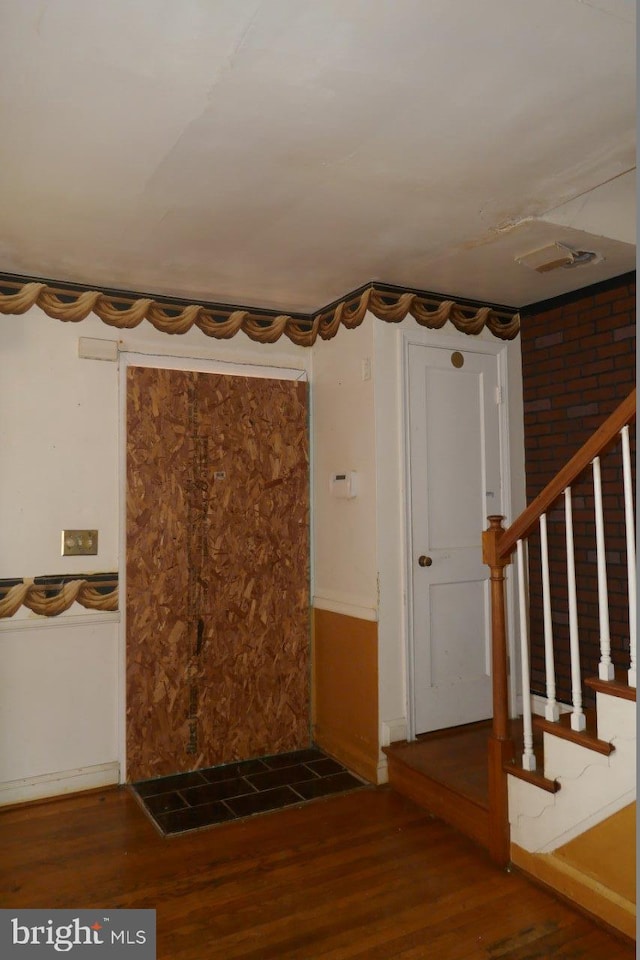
595,874
345,690
607,852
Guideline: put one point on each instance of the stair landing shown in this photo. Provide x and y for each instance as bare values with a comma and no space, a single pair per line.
446,773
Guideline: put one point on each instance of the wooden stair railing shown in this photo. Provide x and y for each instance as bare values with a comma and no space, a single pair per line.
498,546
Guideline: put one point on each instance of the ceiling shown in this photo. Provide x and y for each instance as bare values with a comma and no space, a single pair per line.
280,153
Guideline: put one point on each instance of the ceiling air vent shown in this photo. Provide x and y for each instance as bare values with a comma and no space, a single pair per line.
556,255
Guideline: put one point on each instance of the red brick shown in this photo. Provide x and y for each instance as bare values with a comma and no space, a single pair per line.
548,340
613,321
555,362
532,383
553,417
540,430
609,377
595,340
558,388
541,320
626,361
543,403
595,363
603,393
548,440
610,349
625,305
595,313
570,309
573,399
597,366
624,333
581,330
606,296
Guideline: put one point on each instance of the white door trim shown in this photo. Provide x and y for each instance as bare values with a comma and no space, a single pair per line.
163,362
462,342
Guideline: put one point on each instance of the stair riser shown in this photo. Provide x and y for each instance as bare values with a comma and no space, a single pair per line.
467,817
541,822
616,718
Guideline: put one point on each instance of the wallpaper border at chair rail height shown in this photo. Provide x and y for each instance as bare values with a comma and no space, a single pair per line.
52,595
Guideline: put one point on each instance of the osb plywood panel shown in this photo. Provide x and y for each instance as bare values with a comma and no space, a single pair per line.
217,570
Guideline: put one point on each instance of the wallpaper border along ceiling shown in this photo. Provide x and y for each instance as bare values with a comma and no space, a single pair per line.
126,309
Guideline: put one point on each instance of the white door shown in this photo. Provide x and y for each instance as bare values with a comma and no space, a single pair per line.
455,483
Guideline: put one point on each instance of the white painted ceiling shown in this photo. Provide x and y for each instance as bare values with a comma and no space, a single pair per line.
280,153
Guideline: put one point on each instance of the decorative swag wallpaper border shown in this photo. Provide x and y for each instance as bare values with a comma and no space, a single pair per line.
124,310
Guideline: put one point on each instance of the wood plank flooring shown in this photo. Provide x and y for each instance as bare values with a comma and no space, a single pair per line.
365,875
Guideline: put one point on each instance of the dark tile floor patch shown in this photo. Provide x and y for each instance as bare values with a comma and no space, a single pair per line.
190,801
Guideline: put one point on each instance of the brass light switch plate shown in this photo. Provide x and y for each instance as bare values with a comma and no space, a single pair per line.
79,543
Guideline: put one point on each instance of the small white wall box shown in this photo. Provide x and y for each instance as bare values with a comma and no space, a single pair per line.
344,485
90,348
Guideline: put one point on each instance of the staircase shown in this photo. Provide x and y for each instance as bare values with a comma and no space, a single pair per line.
531,789
586,779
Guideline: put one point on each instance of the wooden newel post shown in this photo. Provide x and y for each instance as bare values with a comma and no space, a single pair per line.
501,746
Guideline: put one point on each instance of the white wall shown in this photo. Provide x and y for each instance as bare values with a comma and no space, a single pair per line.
390,521
60,448
59,437
344,531
59,432
360,544
58,697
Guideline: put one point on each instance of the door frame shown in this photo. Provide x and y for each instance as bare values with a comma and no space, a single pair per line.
463,342
128,359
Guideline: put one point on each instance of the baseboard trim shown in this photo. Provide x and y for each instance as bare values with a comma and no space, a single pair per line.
383,771
393,731
59,783
355,756
583,891
539,705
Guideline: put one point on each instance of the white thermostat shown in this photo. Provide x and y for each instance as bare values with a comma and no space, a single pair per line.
344,485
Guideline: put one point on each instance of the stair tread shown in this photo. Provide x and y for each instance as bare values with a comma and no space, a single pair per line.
532,776
467,796
584,738
602,852
615,688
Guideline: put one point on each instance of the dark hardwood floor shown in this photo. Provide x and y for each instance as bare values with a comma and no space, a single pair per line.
364,875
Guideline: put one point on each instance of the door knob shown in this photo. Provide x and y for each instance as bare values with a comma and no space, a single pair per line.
425,561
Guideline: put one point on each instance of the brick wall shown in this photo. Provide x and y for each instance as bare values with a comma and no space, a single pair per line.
578,356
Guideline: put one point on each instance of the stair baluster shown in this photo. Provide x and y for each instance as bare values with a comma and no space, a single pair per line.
605,668
528,756
551,710
631,552
578,720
